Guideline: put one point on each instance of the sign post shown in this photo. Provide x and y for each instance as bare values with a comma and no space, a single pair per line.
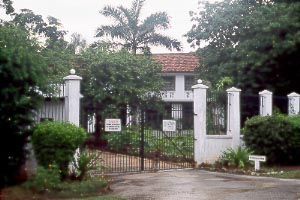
257,159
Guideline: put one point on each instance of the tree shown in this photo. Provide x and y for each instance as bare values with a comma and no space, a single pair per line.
49,30
218,25
114,80
255,43
21,72
268,55
133,33
7,5
57,53
77,44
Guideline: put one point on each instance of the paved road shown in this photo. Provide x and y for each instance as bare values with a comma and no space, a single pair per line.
192,184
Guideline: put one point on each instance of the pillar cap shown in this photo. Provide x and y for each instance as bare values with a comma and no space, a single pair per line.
265,92
293,94
199,85
72,76
233,89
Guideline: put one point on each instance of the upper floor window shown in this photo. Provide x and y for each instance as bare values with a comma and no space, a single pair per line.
189,81
169,83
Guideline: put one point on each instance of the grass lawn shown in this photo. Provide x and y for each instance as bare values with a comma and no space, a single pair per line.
85,190
291,172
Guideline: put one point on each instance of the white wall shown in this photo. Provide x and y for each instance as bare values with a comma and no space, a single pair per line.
214,145
179,95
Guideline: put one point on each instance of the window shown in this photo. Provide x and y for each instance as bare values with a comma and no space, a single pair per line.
189,81
169,83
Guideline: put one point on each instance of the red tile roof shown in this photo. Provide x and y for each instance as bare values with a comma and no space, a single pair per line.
177,62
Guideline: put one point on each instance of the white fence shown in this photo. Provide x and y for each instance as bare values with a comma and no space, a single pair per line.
208,148
64,103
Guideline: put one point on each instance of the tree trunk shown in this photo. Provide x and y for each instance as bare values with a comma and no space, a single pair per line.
100,141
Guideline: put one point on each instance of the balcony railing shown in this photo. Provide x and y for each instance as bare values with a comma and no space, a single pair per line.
173,95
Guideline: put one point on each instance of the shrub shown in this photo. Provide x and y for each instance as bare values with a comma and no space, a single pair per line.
125,141
86,161
45,179
236,158
277,137
21,69
56,142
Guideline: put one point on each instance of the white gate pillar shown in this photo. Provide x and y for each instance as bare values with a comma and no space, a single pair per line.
234,116
294,102
72,97
199,121
265,107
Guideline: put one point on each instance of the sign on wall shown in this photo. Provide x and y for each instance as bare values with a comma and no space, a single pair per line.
169,125
112,125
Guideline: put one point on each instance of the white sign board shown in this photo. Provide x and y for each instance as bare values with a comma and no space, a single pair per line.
112,125
169,125
257,160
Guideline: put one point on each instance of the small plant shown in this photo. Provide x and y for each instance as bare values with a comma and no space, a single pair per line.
45,179
83,162
236,158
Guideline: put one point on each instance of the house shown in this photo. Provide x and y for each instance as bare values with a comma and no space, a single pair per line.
179,75
178,72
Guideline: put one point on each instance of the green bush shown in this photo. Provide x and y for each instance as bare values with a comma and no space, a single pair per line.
56,142
236,158
125,141
277,137
45,179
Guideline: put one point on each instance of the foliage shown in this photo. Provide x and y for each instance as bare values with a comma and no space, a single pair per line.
118,78
77,44
114,80
276,136
236,158
248,41
7,5
20,72
45,179
56,142
57,53
124,141
49,29
59,61
134,34
155,142
83,162
93,186
290,174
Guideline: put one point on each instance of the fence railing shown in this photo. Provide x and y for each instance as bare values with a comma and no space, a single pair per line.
216,118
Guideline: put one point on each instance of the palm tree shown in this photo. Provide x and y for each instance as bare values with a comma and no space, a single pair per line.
135,34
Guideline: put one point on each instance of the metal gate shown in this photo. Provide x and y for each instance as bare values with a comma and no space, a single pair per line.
146,147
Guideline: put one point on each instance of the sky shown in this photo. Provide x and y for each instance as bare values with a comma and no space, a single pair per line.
83,17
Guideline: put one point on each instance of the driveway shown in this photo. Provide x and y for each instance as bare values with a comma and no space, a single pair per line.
198,184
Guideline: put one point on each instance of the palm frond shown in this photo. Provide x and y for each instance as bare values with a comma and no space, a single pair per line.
115,13
112,31
161,40
159,20
136,8
131,21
